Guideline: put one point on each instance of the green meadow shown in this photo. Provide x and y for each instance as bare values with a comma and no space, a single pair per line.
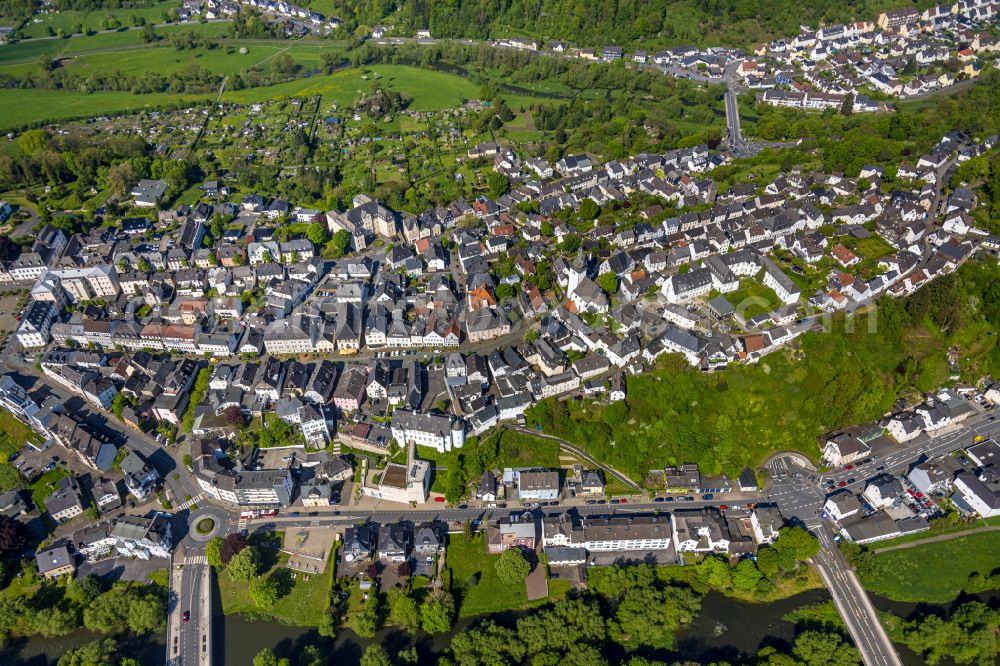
429,90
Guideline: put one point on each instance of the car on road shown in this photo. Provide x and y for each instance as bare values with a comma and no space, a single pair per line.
314,513
992,418
723,507
707,496
848,467
624,501
186,616
842,484
851,480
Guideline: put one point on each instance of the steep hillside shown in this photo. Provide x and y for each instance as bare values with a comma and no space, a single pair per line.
599,22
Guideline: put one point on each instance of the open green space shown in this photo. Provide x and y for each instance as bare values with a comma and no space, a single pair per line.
429,90
475,583
13,435
933,572
29,51
752,298
45,485
40,25
304,606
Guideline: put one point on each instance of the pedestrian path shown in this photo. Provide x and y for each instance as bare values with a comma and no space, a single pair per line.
189,503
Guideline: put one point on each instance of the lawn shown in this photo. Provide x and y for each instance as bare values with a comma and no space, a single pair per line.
303,606
475,584
934,572
45,485
873,247
13,435
752,298
23,106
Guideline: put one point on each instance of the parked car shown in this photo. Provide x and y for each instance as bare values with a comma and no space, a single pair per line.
707,496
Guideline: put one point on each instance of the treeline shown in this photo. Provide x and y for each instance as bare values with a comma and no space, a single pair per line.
627,611
967,636
85,161
192,79
57,609
850,374
91,5
595,23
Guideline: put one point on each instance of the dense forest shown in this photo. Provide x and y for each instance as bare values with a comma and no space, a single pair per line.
850,374
595,23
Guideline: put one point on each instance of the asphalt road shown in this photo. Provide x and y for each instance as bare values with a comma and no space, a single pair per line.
188,642
350,516
853,604
159,456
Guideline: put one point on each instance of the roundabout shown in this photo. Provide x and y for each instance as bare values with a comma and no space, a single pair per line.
205,524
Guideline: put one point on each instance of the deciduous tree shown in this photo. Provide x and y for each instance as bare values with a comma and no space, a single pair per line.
512,567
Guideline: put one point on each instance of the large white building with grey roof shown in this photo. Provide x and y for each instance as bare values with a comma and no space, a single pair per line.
440,431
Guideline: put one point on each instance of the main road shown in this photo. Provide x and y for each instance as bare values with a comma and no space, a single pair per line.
853,604
189,641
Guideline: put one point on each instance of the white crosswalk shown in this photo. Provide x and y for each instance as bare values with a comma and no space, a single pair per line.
195,559
189,503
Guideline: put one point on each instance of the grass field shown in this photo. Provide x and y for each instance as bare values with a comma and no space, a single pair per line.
20,107
40,24
13,435
429,91
476,585
303,606
45,485
752,298
934,572
28,51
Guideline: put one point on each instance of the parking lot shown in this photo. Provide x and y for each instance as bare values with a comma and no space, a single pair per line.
9,308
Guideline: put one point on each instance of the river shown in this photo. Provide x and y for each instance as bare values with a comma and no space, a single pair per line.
724,629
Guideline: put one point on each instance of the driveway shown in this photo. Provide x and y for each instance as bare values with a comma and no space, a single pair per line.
122,568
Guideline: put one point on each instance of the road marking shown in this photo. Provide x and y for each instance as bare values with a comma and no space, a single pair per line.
189,503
